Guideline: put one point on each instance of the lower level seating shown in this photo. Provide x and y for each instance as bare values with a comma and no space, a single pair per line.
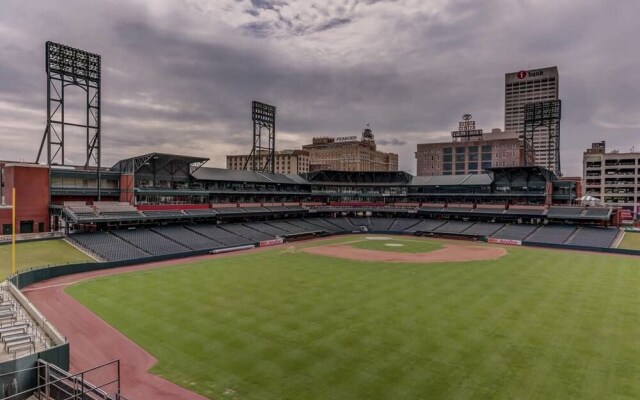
483,229
402,224
555,234
344,224
453,227
188,238
107,246
307,226
514,232
381,224
222,236
151,242
246,232
594,237
426,225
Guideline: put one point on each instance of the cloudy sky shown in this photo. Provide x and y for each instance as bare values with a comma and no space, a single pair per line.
180,75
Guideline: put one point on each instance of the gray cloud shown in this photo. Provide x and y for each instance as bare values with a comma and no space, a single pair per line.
180,77
392,142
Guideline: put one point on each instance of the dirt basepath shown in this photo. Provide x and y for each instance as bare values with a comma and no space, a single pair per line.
450,253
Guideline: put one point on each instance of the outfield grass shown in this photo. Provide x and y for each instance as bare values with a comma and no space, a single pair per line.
38,254
630,240
406,245
536,324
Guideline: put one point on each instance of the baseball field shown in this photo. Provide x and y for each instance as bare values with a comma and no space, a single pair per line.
360,317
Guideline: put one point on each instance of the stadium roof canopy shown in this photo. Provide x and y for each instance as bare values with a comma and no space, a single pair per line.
159,161
230,175
452,180
359,177
530,170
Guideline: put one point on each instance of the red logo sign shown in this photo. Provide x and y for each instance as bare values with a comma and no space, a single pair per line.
522,74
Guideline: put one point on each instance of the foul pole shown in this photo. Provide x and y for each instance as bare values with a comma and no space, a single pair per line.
13,231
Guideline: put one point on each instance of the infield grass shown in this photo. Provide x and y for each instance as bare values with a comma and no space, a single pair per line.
630,240
277,324
40,254
398,245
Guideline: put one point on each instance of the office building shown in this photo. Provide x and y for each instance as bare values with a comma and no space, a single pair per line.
470,151
530,86
349,153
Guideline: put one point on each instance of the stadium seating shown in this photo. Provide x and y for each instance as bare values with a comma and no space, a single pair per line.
426,225
593,237
188,238
246,232
557,234
381,224
483,229
402,224
307,226
453,227
514,232
358,222
150,241
287,227
222,236
323,223
107,246
344,224
268,229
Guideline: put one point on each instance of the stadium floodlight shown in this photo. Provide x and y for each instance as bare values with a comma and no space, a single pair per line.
263,154
543,116
68,66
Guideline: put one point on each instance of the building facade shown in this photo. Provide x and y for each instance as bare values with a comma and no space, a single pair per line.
613,177
471,151
349,154
530,86
287,161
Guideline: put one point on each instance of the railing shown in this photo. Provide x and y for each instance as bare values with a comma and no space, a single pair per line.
55,383
32,236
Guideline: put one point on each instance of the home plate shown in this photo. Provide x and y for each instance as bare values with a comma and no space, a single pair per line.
377,238
394,244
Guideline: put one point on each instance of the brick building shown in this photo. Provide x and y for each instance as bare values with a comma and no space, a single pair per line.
349,154
287,161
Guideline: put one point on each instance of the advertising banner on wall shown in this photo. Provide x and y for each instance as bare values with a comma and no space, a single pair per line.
510,242
271,242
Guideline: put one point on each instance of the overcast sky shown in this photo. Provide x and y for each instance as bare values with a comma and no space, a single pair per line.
179,76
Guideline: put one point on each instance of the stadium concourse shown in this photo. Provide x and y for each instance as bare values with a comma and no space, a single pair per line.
156,207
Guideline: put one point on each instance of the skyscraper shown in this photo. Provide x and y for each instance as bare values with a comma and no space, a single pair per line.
524,87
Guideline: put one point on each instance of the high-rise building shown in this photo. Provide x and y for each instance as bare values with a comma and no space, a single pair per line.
349,153
286,162
470,151
531,86
612,177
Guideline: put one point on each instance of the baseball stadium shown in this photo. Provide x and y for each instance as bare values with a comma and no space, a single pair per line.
161,278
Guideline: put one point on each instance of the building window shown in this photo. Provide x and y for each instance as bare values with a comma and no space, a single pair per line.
26,226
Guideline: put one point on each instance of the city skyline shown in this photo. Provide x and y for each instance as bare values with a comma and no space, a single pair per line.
180,76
